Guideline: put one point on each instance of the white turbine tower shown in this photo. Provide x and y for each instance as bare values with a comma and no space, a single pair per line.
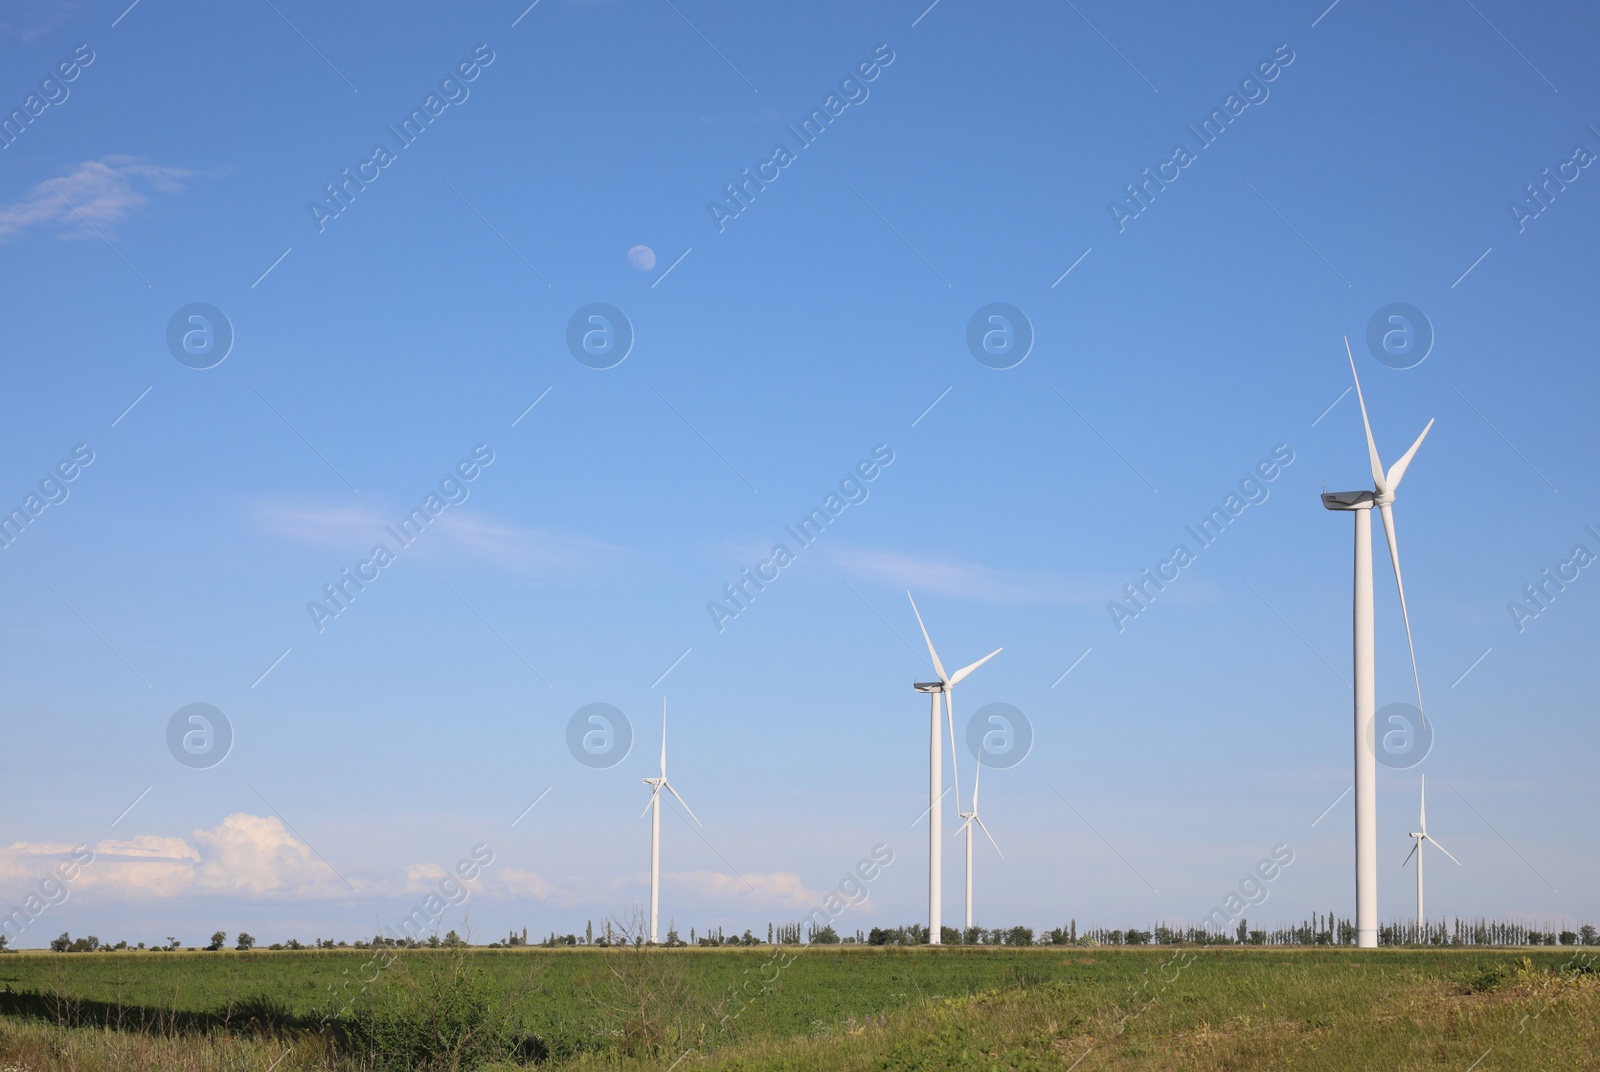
1419,837
944,686
654,808
972,819
1361,504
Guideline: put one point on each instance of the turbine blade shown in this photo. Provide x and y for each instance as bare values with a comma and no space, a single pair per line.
962,828
1446,851
1398,469
1379,481
976,778
961,675
938,667
988,835
651,803
685,803
955,770
1394,556
1413,852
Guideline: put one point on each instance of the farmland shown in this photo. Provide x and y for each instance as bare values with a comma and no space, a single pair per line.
774,1008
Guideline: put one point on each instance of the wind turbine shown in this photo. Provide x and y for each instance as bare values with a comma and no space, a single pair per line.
1416,850
943,687
654,808
1361,504
972,819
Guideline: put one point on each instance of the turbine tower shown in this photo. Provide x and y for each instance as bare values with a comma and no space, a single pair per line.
1419,837
972,819
943,687
1361,503
654,808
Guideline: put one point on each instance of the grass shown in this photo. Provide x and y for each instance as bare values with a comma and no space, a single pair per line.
764,1010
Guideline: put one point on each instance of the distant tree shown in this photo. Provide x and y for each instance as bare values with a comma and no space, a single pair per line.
1588,935
972,936
5,940
453,940
173,943
246,942
1244,930
824,935
60,945
672,936
1136,937
218,940
1019,936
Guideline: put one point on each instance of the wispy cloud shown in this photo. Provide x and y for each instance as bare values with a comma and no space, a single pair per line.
96,195
29,20
967,580
541,552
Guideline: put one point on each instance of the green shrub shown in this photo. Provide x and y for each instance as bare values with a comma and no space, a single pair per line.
437,1012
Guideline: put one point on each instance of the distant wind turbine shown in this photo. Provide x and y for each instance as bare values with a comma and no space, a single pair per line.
1419,837
1361,503
654,808
944,686
972,819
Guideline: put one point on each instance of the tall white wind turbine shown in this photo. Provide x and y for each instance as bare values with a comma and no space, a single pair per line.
654,808
1361,503
945,686
1419,836
972,819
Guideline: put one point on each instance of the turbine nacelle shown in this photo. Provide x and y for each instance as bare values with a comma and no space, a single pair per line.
1348,500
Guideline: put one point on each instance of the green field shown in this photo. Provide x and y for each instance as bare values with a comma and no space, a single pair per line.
767,1008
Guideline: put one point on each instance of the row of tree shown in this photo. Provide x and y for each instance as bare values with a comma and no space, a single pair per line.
1318,930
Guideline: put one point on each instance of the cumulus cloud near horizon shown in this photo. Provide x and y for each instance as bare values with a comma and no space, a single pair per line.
784,888
248,855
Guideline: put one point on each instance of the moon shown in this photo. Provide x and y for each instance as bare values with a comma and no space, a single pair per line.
642,258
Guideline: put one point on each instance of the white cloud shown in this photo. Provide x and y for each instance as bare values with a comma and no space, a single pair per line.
514,882
542,552
778,887
96,196
249,855
254,854
967,580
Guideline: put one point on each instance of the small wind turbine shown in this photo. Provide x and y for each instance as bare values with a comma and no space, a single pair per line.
972,819
944,686
1361,503
1419,837
654,808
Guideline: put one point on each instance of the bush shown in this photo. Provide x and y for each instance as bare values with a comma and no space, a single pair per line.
435,1012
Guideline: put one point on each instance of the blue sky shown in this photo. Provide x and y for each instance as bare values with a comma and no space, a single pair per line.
774,350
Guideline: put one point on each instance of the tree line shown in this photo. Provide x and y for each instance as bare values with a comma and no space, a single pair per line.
1320,929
